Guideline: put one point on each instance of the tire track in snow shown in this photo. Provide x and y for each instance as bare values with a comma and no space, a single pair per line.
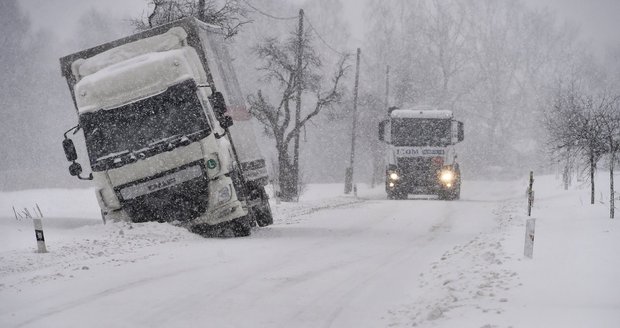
341,292
83,301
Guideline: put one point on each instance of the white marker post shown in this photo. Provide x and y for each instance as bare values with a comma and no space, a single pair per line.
529,238
38,232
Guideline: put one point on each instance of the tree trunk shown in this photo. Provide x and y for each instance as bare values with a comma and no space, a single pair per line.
288,180
201,10
592,167
612,159
565,177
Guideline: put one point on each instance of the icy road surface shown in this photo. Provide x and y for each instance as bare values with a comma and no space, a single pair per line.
329,261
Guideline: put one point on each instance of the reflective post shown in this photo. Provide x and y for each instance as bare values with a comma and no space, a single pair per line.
38,232
529,238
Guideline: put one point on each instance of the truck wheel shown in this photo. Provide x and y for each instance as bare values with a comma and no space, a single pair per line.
450,194
242,226
391,194
239,227
457,192
396,194
262,212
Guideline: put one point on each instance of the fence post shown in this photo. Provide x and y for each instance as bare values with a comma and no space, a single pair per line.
530,195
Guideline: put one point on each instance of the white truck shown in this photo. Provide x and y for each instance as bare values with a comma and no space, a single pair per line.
420,153
157,111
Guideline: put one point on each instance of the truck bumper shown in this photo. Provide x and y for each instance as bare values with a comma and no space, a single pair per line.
419,184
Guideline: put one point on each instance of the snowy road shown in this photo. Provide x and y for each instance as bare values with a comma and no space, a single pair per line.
330,262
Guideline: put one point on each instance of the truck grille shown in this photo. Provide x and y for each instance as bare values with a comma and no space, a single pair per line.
418,171
177,195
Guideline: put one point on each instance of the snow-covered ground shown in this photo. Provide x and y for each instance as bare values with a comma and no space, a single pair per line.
328,261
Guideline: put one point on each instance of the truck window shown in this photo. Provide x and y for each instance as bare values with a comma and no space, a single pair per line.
144,125
421,132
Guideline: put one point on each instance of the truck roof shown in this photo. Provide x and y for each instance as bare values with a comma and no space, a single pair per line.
421,112
190,25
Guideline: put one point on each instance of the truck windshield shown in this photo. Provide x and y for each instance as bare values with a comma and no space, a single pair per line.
421,132
148,126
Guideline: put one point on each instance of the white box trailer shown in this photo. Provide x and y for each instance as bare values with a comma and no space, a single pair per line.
168,134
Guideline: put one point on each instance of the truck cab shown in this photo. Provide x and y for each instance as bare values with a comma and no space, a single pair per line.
156,110
420,152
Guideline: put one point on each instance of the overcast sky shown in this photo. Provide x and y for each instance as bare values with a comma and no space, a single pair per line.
599,19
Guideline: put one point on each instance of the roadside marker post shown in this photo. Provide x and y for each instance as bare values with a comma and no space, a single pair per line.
38,232
529,238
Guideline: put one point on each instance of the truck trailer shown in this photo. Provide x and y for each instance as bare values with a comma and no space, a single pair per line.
167,131
420,153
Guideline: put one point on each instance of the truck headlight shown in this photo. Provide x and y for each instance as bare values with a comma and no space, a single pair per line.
394,176
446,176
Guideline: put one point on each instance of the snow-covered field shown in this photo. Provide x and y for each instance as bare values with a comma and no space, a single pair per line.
328,261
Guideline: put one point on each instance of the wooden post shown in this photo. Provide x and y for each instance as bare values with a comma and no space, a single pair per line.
530,195
529,238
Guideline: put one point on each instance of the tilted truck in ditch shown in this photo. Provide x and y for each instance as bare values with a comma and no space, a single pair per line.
157,110
420,153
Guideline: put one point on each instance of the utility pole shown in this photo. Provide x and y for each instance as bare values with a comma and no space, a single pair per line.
348,183
387,87
300,52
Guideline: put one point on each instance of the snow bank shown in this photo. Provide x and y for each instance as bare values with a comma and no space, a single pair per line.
572,280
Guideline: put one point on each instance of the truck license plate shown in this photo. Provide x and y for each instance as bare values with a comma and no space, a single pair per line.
160,183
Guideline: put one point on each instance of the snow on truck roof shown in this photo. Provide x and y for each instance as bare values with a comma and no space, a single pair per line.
421,112
136,78
173,39
135,70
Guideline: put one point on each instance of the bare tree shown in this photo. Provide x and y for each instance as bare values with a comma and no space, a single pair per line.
609,120
575,124
280,67
230,14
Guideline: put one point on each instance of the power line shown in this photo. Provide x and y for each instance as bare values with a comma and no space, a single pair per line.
296,17
268,15
323,40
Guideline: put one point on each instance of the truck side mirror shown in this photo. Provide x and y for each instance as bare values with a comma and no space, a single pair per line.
226,122
382,130
75,169
457,132
70,153
219,107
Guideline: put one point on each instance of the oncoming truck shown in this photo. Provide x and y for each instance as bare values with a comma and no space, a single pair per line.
167,132
420,153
